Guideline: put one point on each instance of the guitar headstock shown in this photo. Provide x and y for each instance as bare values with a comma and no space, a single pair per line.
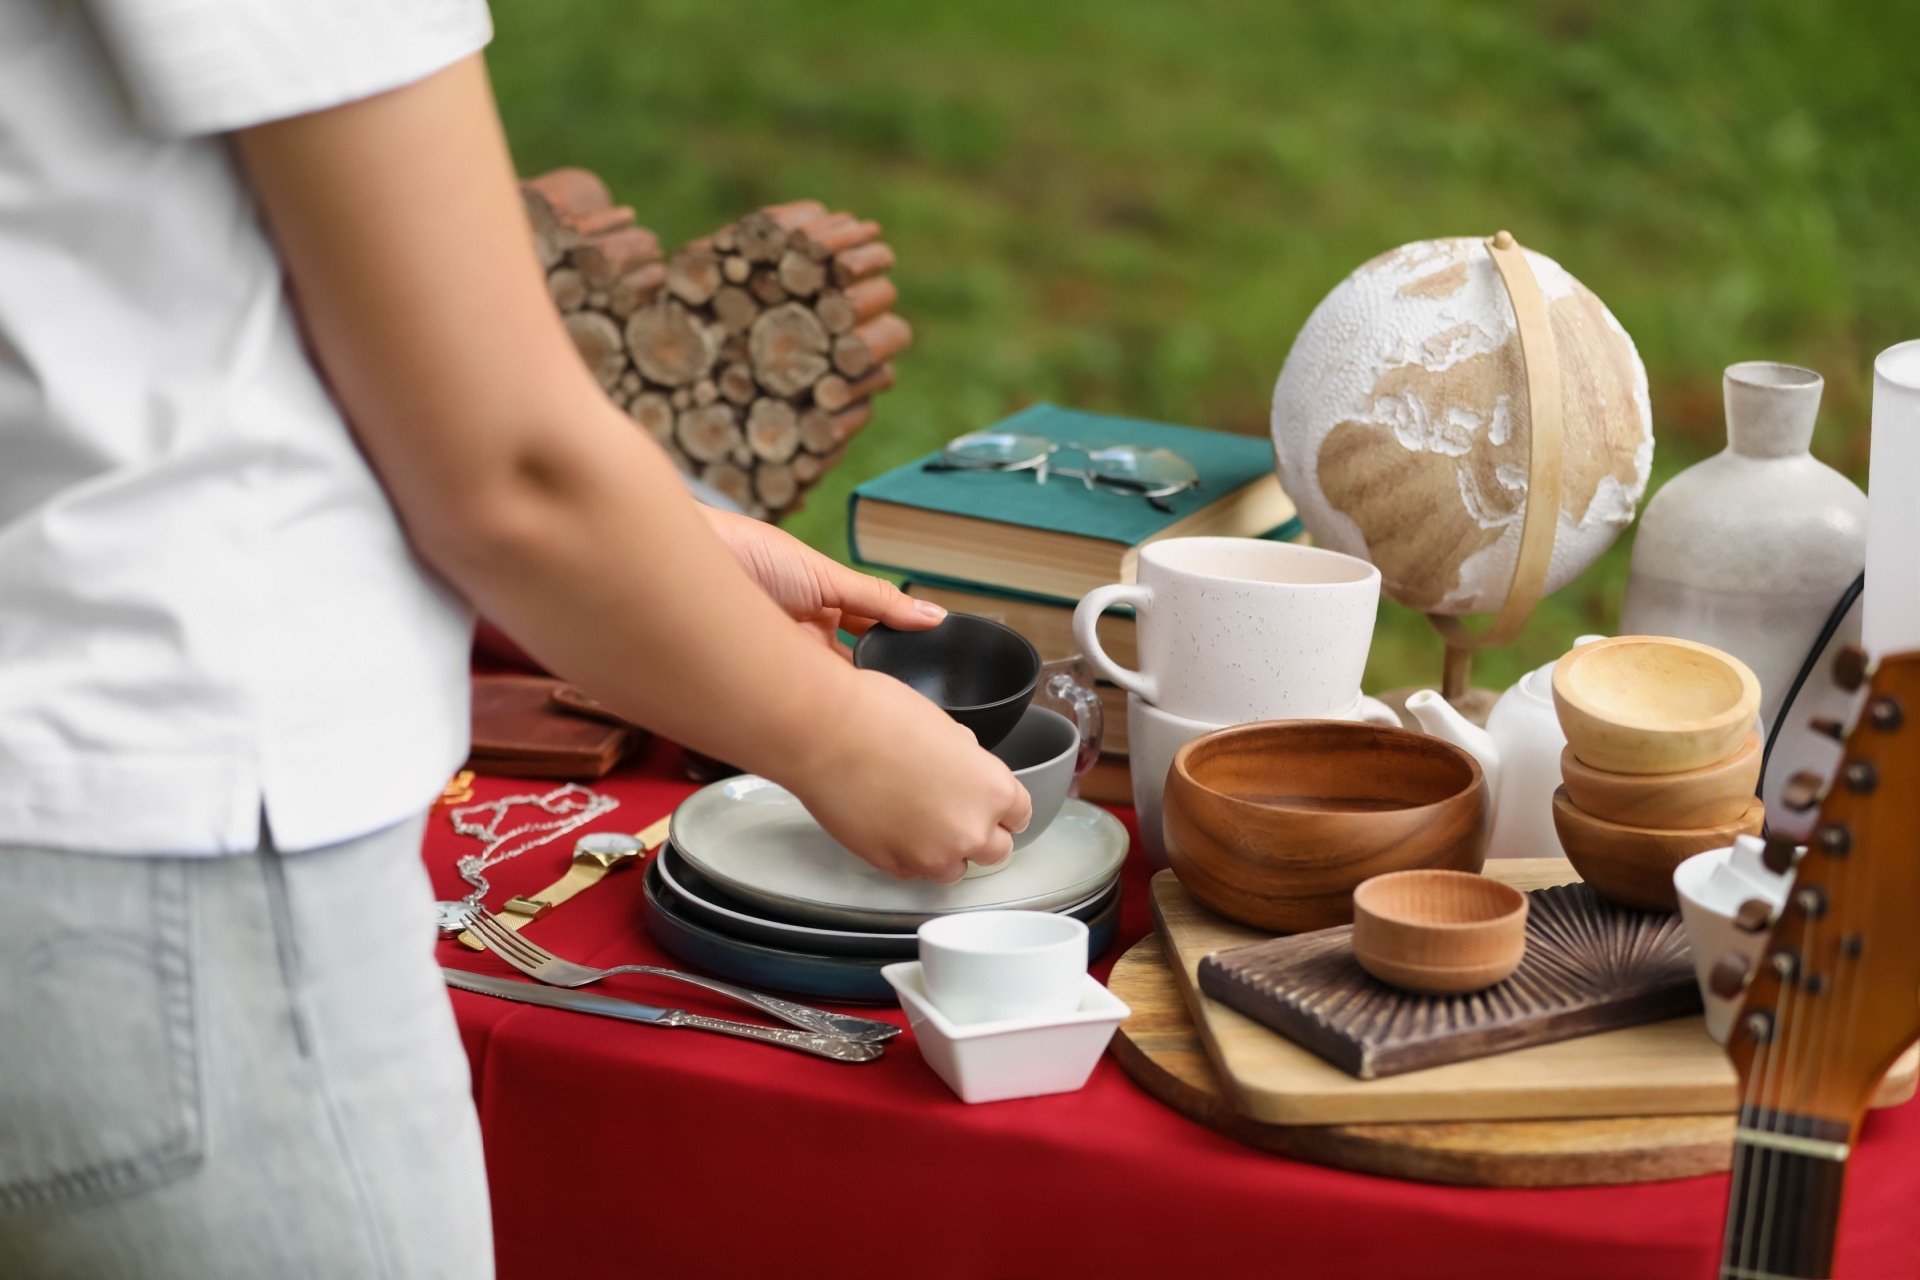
1836,995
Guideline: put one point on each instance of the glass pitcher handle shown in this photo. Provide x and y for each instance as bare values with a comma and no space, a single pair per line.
1088,716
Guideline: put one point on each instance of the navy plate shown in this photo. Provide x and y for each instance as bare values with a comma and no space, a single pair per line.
848,979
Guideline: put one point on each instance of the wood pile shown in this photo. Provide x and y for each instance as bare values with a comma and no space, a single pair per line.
752,355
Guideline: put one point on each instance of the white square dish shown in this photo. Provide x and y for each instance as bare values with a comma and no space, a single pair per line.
1019,1058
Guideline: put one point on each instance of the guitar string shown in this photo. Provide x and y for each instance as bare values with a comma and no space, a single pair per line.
1739,1235
1761,1157
1800,1051
1827,1048
1820,1049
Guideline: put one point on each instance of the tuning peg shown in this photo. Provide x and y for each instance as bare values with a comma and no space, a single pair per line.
1828,727
1886,714
1779,855
1754,915
1729,976
1834,839
1851,667
1802,791
1860,776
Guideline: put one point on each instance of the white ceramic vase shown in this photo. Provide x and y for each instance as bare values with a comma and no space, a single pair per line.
1749,550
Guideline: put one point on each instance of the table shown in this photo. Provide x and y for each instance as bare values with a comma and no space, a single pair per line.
620,1150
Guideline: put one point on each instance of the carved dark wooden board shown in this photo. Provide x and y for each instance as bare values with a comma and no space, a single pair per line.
1590,966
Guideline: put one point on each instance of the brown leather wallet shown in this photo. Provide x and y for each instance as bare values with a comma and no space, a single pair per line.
521,730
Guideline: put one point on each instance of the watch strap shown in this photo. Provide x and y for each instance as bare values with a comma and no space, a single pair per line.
585,871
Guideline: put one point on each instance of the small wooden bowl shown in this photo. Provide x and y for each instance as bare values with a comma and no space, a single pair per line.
1650,704
1633,866
1703,797
1273,824
1440,932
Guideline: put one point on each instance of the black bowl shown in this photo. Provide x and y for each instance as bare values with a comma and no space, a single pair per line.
980,672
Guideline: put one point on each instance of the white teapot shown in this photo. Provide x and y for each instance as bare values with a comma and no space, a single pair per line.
1519,751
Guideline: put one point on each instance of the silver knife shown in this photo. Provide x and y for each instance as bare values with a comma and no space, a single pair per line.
835,1047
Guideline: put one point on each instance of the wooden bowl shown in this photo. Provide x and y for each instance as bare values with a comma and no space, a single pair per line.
1273,824
1703,797
1633,866
1650,704
1441,932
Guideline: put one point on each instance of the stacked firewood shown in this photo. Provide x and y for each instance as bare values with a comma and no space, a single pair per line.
752,355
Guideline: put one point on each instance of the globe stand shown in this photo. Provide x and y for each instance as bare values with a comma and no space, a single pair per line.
1545,454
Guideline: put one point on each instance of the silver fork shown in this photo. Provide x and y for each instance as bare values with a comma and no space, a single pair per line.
536,961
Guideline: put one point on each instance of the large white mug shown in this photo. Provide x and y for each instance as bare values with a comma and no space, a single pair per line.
1233,630
1155,736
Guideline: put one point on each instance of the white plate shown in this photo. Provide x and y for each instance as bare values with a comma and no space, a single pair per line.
753,838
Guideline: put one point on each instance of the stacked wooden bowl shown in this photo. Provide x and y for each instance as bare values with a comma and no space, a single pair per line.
1661,763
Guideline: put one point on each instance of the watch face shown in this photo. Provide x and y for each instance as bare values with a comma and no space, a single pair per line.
605,847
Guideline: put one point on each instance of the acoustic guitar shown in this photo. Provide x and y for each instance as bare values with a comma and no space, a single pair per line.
1835,997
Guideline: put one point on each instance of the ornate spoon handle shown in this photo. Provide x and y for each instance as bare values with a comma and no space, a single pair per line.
839,1048
806,1017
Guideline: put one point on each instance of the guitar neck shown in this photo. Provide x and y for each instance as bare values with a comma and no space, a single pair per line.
1783,1212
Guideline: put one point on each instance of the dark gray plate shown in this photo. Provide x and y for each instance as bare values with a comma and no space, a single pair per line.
849,979
701,900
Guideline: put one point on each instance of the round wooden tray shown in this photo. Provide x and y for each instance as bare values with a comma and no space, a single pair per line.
1159,1048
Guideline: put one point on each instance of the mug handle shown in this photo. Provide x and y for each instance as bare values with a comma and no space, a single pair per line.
1086,617
1088,716
1374,711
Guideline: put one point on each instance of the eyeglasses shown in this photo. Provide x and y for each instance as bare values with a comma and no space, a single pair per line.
1153,474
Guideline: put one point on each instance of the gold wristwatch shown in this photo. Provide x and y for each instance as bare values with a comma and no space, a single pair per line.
595,856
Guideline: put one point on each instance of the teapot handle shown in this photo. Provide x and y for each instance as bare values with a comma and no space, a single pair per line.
1373,711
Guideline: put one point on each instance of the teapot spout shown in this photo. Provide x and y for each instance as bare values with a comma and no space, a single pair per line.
1438,717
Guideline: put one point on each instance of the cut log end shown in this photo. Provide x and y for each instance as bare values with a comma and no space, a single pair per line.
669,344
654,412
708,433
789,349
597,339
567,288
693,274
731,481
773,430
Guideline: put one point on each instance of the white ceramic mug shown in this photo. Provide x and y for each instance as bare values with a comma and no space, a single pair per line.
1233,630
1154,736
990,966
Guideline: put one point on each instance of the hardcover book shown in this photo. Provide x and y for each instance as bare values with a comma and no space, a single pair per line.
1057,541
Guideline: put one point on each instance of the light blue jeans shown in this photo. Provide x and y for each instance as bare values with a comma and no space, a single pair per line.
232,1067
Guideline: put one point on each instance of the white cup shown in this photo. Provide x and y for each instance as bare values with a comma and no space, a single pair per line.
990,966
1233,630
1711,886
1153,738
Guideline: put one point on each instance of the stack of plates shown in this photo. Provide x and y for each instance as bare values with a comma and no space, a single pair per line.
750,887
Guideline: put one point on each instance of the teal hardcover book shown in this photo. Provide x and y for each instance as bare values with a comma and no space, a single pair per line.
1057,541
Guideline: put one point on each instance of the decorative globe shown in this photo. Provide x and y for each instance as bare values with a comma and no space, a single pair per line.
1401,429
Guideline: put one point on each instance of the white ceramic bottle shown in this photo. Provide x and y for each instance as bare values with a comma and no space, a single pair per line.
1749,550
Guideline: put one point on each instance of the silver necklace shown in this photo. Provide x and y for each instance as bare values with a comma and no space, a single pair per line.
567,808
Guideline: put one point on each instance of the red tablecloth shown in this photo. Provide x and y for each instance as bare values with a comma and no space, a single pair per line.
620,1150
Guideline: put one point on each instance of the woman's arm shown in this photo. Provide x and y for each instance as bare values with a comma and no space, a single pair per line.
400,223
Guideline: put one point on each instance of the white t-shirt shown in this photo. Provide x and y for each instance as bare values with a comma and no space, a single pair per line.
207,607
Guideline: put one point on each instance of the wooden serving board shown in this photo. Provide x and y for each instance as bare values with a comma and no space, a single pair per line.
1161,1050
1661,1068
1590,966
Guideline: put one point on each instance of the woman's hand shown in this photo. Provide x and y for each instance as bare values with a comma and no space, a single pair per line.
906,787
821,594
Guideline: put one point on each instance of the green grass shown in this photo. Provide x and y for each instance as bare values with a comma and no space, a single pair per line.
1131,207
